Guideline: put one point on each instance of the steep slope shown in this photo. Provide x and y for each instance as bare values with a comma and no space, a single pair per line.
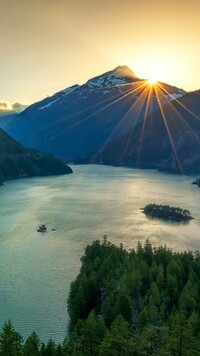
169,140
17,161
8,113
7,118
80,119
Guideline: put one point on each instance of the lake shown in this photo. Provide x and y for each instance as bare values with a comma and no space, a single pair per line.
37,268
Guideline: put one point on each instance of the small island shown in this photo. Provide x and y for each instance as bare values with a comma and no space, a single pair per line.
42,228
167,212
197,182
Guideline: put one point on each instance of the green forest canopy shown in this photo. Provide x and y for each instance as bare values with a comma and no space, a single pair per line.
147,299
139,302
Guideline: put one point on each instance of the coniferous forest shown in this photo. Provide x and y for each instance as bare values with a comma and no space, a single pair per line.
144,301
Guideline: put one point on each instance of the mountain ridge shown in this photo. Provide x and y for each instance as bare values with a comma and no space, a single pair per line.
170,143
78,120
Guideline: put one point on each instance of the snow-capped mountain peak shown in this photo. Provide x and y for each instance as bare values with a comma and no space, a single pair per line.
119,76
77,120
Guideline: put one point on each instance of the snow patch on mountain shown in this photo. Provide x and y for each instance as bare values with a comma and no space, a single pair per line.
70,89
107,81
174,96
47,105
58,96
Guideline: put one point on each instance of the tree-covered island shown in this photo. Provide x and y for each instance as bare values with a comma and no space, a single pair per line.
167,212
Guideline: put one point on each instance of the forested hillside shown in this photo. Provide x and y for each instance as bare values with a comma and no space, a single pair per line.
141,302
17,161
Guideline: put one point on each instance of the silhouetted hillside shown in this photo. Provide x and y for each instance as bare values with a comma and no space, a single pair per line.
16,161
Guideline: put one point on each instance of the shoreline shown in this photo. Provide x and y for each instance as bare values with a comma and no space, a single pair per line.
168,218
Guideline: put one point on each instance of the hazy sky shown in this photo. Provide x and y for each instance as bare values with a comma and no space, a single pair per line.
48,45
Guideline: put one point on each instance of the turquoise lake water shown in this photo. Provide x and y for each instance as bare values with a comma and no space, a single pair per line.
37,269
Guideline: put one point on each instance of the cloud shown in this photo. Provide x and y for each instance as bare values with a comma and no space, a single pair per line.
5,106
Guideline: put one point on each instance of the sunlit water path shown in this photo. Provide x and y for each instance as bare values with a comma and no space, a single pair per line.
36,269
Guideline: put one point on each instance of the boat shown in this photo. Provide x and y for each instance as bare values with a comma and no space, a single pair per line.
42,228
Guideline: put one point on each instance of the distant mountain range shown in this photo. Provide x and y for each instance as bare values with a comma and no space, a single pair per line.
83,118
7,108
16,161
9,113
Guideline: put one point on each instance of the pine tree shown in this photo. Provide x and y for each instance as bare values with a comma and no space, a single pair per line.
118,340
90,334
32,345
51,348
10,341
154,341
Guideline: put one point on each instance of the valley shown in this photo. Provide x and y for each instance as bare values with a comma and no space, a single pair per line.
100,178
124,123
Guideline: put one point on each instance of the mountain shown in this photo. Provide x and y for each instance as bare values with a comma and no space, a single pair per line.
16,161
6,118
17,107
80,119
169,140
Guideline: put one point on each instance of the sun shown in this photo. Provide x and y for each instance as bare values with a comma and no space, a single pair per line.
152,77
152,80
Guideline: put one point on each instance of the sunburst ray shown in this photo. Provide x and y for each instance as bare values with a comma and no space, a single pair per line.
149,98
168,132
130,92
177,101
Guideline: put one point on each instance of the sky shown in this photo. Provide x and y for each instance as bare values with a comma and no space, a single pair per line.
48,45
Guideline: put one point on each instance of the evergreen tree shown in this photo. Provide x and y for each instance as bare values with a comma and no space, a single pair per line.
32,345
154,341
10,341
117,341
182,341
43,350
59,351
51,348
90,334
